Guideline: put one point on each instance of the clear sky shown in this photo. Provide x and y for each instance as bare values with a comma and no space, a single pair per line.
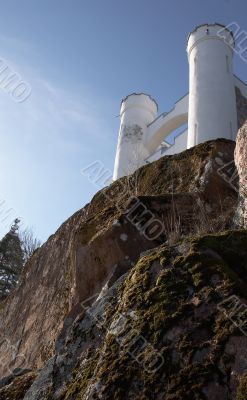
80,58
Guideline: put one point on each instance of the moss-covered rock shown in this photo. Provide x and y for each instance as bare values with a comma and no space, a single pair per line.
161,331
119,314
242,389
17,389
94,246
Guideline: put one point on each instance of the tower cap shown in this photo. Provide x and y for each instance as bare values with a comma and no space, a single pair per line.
140,94
214,25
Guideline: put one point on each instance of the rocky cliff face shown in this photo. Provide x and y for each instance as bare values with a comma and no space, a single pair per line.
241,163
241,108
122,262
164,330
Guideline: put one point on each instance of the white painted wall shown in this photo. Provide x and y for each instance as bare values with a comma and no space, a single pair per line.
212,99
137,112
209,108
166,123
179,145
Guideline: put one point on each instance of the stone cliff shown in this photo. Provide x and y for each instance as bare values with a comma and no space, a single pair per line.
241,163
124,300
164,330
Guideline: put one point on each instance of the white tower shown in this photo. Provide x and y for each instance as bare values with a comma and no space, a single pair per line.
212,99
138,110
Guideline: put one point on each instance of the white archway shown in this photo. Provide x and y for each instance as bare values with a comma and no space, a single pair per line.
166,123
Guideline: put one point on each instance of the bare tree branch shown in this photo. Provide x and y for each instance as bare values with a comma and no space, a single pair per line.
29,243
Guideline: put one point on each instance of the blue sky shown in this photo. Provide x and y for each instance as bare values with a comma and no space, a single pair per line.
80,58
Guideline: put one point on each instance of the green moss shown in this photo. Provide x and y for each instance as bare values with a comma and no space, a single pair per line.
100,219
174,300
79,382
18,388
242,389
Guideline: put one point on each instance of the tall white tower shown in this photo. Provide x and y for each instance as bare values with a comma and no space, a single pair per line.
212,99
138,110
